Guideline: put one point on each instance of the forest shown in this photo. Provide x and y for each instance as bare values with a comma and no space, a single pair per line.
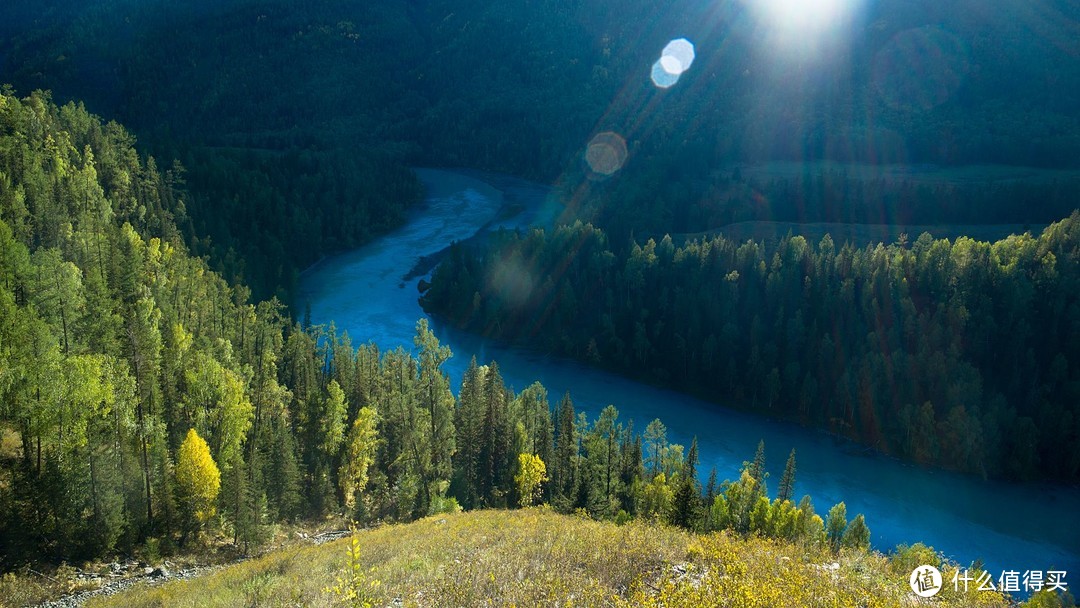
144,399
157,388
960,355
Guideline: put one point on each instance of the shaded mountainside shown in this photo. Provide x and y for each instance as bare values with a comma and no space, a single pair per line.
536,557
551,69
364,89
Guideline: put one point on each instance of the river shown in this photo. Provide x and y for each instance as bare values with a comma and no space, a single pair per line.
1009,526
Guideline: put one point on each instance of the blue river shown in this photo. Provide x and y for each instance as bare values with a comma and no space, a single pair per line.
365,293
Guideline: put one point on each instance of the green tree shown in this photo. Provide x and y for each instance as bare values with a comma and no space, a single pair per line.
468,421
602,455
564,472
657,499
719,516
835,524
439,402
686,510
857,534
786,490
335,412
655,444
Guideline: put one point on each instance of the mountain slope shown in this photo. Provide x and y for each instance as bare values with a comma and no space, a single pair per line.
535,557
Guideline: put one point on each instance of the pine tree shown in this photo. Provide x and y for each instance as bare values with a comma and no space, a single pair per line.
687,504
282,472
468,421
710,487
566,453
438,400
787,480
757,467
602,456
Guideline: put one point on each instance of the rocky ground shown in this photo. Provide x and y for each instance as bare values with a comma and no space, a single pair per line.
116,577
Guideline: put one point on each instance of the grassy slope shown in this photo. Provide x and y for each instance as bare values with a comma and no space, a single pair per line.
536,557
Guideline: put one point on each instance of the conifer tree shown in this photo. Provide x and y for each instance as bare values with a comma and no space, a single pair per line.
787,480
566,453
687,504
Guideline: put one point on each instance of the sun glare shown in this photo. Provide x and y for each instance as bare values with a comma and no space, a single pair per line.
805,14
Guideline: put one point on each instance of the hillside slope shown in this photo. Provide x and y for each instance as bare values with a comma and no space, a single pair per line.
536,557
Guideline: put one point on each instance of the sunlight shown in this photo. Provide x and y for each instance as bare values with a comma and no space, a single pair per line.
804,14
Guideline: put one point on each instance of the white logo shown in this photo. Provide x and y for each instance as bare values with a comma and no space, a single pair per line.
925,581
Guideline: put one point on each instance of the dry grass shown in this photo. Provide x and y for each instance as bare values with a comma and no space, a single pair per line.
535,557
484,558
761,573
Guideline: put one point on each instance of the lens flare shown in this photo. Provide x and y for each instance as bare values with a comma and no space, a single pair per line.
677,56
920,68
661,77
675,59
606,153
671,65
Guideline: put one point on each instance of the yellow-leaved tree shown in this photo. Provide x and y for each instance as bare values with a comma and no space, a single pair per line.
198,480
360,450
531,473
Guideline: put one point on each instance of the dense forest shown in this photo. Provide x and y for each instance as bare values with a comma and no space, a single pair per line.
156,389
144,399
357,91
958,354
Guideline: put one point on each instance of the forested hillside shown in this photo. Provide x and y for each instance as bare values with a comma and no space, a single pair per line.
353,92
142,397
958,354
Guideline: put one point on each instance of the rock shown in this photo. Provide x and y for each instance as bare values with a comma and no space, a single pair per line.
147,570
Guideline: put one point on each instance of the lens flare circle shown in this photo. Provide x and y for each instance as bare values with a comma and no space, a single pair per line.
661,77
677,56
920,69
606,153
671,65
